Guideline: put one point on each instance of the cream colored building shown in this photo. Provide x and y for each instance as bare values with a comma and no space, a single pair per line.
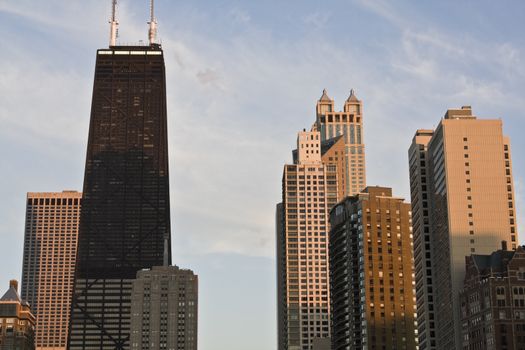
328,165
470,206
50,249
349,124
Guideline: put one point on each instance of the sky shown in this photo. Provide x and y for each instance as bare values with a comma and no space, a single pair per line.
243,78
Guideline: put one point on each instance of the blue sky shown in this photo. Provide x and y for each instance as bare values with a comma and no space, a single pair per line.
243,78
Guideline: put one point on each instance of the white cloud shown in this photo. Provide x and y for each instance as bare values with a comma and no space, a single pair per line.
317,19
240,16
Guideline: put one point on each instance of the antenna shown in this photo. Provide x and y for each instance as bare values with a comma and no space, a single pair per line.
152,34
166,260
114,25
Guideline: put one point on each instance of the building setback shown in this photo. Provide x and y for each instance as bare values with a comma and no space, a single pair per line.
125,209
50,249
164,305
371,272
327,165
464,197
17,323
493,301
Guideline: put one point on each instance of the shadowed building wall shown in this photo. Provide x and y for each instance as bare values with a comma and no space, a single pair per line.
425,288
125,210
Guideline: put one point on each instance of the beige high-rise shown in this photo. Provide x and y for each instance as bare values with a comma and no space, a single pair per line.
50,249
328,164
467,200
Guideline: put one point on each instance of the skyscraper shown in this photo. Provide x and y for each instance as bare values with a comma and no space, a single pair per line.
125,211
164,309
371,272
463,204
302,246
327,165
17,323
50,250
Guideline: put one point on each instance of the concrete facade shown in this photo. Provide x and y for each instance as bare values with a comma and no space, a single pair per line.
164,309
50,249
470,198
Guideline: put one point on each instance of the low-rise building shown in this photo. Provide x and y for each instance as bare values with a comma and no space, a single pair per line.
164,309
17,323
493,301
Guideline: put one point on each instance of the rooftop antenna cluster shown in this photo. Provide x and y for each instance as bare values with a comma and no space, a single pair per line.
152,32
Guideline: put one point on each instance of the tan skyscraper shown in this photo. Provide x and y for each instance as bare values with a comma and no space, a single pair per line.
463,204
328,164
50,249
372,273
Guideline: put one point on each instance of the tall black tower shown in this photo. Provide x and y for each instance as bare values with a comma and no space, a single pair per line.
125,214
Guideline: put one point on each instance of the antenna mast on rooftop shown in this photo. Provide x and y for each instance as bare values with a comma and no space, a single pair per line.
114,25
152,34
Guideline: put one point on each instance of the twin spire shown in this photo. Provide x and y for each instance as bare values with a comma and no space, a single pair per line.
351,98
152,32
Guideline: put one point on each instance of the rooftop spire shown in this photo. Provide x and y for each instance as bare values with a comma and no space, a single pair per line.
152,33
114,25
352,97
325,96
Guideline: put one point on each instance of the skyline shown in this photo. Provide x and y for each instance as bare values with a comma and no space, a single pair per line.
253,103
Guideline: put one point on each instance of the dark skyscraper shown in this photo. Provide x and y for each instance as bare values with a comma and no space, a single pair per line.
125,211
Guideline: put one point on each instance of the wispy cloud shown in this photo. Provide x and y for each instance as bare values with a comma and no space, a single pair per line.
235,105
239,15
317,19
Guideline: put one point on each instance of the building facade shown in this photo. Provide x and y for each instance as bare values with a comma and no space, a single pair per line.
470,198
371,273
125,214
304,304
347,123
328,164
164,306
493,301
17,323
419,188
50,249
